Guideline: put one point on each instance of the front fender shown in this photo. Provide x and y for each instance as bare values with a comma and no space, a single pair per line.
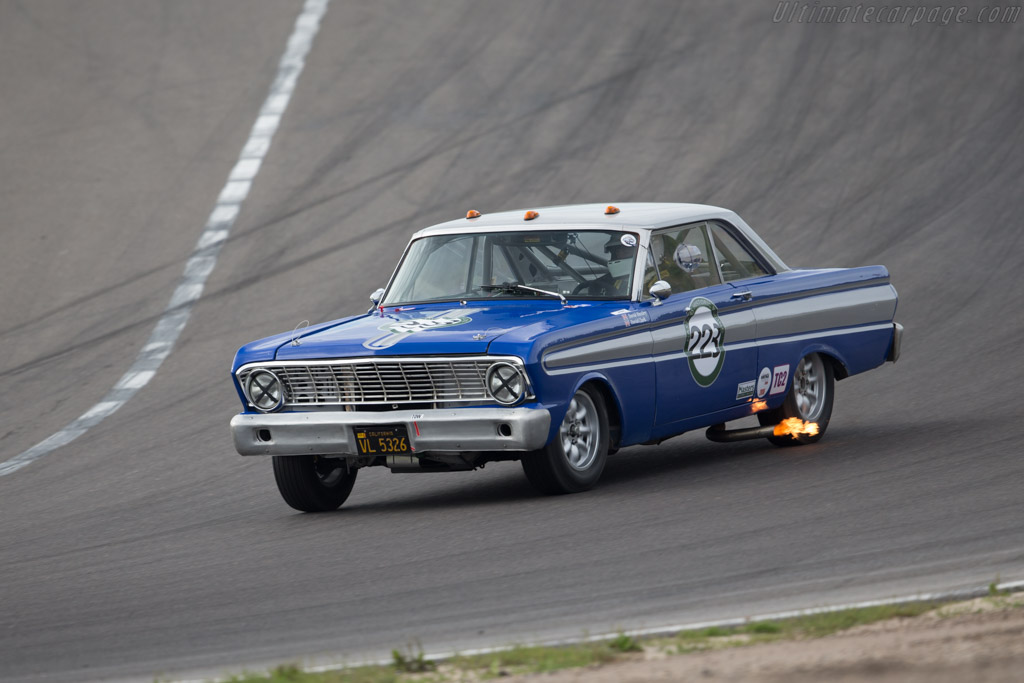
630,391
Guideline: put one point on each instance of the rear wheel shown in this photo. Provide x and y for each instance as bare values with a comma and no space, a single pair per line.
575,458
313,483
810,399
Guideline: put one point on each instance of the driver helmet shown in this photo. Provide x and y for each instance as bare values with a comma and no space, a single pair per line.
688,257
620,249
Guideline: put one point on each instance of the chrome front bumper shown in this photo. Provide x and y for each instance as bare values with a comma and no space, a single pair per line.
450,429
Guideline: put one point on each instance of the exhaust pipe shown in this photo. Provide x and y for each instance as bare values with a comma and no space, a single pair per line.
415,463
403,463
720,434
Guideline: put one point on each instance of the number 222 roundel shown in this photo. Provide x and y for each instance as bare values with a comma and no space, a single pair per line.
705,341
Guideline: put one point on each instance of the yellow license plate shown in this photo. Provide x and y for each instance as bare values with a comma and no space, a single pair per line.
383,440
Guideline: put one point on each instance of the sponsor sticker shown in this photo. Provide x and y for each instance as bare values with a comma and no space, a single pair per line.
764,382
631,317
628,240
635,318
420,324
745,389
397,330
705,341
780,377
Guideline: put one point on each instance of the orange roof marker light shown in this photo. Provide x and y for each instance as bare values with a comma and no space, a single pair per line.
472,213
530,215
611,210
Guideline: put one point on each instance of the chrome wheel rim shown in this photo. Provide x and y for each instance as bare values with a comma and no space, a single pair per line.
809,387
580,432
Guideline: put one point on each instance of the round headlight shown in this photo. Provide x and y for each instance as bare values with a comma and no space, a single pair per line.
506,383
265,391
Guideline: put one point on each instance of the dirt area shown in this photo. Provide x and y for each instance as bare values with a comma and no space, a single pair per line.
971,641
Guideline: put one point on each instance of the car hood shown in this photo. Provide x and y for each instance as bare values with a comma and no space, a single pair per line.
431,329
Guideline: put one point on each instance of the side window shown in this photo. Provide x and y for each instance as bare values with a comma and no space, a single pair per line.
681,257
736,262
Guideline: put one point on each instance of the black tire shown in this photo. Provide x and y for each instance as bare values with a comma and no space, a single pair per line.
815,376
552,470
313,483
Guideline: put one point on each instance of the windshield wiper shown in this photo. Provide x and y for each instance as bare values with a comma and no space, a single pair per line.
517,287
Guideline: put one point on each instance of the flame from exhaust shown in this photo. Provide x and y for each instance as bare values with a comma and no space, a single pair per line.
796,427
758,405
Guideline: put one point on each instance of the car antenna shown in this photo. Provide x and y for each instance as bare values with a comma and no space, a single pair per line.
296,333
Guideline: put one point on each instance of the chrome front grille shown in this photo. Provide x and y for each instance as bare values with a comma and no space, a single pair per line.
363,381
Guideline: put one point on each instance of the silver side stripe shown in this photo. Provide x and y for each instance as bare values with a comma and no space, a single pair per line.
743,345
820,315
792,338
600,366
826,311
616,348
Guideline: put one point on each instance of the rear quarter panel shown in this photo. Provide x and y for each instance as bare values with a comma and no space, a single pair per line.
844,313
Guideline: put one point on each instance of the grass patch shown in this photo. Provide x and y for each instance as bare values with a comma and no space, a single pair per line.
993,589
810,626
624,643
764,627
710,632
411,665
827,623
523,659
290,673
412,660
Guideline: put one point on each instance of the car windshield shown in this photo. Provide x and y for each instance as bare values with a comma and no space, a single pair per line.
587,264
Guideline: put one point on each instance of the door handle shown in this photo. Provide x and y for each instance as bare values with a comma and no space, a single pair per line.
742,296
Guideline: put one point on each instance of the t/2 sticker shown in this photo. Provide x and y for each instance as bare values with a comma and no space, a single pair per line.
705,341
780,377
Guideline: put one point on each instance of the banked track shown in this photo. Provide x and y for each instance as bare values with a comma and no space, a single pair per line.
148,547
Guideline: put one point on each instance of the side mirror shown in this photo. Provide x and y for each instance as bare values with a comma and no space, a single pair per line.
377,295
660,290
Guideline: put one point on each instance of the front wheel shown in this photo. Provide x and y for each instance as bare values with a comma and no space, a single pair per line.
313,483
575,458
810,399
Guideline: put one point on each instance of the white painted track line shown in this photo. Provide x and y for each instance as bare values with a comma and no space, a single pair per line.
204,257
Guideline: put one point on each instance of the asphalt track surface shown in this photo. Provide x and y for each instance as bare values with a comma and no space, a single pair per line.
149,547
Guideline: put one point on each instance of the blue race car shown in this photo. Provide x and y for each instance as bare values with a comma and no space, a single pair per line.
556,337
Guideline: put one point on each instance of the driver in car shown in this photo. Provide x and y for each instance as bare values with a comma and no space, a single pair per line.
616,281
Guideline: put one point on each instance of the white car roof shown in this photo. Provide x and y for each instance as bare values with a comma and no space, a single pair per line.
632,217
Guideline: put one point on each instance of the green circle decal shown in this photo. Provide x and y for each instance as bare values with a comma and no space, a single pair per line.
705,341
